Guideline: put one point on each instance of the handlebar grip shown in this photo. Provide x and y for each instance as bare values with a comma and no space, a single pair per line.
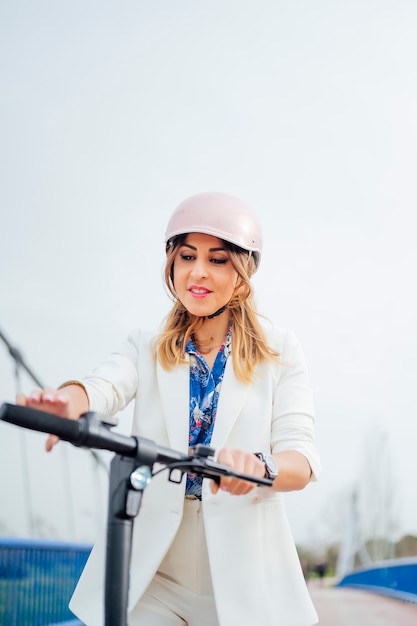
66,429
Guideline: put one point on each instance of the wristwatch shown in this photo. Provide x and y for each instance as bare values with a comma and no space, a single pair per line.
271,466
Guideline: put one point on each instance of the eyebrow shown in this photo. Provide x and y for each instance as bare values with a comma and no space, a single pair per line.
187,245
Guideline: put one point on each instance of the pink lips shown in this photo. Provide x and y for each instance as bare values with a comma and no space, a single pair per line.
198,292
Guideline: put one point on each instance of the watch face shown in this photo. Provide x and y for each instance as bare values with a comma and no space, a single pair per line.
271,466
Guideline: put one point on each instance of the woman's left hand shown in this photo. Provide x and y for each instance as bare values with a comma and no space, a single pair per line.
240,461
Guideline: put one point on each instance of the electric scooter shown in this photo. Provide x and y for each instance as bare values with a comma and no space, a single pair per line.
131,470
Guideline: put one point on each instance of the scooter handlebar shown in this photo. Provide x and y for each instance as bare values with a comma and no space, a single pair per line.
93,431
23,416
90,430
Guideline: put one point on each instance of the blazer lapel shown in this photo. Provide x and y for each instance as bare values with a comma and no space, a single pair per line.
232,397
174,390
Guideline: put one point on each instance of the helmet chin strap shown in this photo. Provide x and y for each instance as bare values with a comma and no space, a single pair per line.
218,312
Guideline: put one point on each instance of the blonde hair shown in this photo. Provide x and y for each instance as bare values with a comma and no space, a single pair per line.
249,345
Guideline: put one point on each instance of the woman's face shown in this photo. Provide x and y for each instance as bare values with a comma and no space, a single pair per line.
204,277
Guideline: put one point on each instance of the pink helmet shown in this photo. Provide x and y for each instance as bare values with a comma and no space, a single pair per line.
220,215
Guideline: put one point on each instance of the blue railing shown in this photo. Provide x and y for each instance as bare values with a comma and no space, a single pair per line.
396,578
37,579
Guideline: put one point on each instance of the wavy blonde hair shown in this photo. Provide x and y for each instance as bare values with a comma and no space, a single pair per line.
249,345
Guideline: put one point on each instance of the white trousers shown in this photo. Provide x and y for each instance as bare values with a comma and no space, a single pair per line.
181,593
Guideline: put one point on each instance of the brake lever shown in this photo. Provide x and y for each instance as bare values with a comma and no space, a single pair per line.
207,468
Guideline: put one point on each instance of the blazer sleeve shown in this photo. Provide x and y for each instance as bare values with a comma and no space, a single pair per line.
293,417
113,383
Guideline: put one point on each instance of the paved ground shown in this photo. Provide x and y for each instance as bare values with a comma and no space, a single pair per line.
351,607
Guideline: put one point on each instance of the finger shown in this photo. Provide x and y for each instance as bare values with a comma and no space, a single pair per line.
245,463
21,399
49,400
51,442
229,457
35,395
225,457
236,487
54,396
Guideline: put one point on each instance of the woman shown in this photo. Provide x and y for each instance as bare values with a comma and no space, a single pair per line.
207,554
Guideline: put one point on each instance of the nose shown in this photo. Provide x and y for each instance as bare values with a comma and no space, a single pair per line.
199,269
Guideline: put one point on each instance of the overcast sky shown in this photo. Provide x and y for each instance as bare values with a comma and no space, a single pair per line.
111,113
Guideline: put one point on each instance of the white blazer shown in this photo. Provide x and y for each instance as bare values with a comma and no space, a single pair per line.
254,564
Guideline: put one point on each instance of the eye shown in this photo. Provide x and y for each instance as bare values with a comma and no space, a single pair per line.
187,257
219,261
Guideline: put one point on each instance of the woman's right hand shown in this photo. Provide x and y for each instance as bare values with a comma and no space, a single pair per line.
69,402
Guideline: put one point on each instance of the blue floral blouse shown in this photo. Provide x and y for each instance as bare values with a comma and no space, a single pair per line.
205,387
